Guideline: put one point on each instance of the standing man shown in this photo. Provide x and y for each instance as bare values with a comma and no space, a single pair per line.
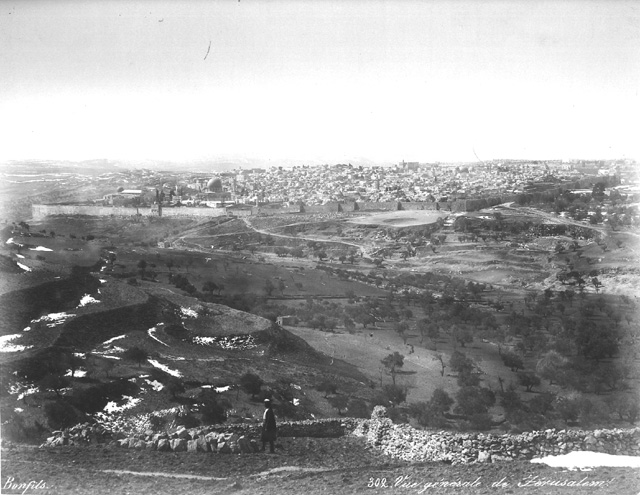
268,426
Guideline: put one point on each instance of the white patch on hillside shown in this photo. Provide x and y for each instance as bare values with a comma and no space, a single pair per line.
22,390
155,385
18,409
584,460
220,390
173,358
152,334
19,256
164,368
231,342
102,281
129,402
40,248
55,319
26,329
108,350
24,267
110,357
188,313
87,299
7,346
296,402
79,373
107,342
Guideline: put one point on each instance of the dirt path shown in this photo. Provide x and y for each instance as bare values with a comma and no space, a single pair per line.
301,466
362,249
165,475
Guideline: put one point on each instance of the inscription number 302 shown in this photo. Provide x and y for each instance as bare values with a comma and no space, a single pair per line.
377,483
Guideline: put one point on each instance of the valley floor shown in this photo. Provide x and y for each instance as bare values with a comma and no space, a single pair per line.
299,466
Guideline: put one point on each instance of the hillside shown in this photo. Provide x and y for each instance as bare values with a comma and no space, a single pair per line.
506,319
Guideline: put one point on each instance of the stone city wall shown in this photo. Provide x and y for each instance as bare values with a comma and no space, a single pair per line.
378,206
265,210
419,205
39,212
194,212
332,207
349,206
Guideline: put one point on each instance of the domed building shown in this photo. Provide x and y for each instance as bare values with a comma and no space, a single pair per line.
215,185
214,195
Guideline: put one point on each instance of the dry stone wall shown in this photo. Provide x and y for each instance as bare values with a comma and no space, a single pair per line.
399,441
233,438
407,443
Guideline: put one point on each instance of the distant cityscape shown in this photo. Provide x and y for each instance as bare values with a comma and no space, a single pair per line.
318,185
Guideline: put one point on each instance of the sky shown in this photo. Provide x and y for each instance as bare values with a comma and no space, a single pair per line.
318,81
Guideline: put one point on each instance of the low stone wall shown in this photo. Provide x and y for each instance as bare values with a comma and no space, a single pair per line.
407,443
230,438
399,441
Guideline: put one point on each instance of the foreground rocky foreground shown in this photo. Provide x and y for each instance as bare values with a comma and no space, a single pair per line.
300,465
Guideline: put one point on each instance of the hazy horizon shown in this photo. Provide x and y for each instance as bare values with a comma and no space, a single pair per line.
319,82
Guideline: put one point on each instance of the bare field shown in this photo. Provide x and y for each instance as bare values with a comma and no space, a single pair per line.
400,218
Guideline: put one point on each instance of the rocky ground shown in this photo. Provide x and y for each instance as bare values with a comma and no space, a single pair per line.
299,466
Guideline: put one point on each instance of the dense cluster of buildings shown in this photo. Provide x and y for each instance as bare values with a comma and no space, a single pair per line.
404,182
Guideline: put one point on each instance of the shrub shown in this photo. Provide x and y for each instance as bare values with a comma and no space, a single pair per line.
568,406
176,331
54,382
528,380
174,386
460,363
542,403
157,423
474,400
187,420
468,379
512,361
60,414
510,400
328,387
391,394
358,408
397,415
339,402
136,354
213,409
480,421
251,384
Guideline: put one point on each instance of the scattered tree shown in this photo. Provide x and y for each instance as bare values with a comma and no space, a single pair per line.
392,363
136,354
251,384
